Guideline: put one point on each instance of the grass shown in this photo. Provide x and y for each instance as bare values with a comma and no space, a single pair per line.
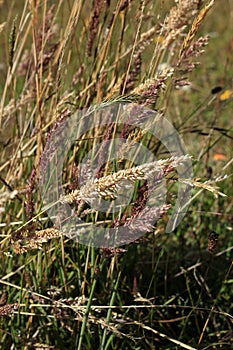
162,290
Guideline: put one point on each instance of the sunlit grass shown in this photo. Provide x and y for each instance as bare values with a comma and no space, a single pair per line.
164,291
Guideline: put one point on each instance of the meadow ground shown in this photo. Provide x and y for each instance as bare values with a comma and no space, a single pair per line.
166,61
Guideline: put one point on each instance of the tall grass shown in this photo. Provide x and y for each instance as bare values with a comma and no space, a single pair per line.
161,291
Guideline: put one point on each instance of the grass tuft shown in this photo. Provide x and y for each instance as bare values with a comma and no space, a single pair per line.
173,61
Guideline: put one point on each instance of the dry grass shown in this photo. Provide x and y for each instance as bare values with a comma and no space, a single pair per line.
162,291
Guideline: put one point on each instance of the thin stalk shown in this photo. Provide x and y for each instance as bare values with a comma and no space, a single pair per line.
102,346
88,308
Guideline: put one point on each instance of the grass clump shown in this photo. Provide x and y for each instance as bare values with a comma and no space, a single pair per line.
160,290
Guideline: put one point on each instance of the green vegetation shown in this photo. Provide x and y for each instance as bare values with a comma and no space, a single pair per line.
164,290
